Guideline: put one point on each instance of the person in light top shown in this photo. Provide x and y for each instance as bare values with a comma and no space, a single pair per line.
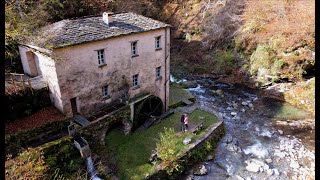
186,121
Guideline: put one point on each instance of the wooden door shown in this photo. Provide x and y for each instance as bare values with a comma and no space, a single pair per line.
74,106
32,64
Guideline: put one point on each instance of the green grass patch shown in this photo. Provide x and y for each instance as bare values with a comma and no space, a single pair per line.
177,93
131,153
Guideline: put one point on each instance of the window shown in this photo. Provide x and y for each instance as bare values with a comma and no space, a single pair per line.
105,91
100,56
157,42
134,50
135,80
158,72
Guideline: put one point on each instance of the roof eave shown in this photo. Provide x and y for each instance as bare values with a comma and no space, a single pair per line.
69,45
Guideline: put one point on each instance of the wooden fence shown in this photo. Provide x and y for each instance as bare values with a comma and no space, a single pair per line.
18,82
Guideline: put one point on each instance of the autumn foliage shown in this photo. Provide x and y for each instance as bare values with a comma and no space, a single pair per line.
283,32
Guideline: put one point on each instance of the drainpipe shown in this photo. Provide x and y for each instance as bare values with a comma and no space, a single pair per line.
165,70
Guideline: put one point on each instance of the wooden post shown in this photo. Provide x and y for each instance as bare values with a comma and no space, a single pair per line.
30,86
22,80
14,84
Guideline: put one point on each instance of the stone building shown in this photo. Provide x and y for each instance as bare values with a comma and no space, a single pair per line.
94,61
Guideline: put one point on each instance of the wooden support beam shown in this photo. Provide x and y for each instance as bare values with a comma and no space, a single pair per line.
29,82
13,82
22,80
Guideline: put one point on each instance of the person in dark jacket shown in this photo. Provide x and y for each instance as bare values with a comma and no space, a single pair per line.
182,122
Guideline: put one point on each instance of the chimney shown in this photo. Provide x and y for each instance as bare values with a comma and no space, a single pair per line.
107,17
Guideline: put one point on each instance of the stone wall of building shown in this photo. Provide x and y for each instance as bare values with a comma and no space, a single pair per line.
36,63
81,76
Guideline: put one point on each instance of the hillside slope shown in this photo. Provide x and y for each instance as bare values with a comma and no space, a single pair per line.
259,43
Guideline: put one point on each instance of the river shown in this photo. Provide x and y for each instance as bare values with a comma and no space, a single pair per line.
262,140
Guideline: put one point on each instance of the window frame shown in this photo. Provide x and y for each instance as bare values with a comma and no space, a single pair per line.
134,48
101,57
158,42
135,80
105,89
158,72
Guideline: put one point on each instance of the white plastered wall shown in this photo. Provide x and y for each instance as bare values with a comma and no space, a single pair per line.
81,76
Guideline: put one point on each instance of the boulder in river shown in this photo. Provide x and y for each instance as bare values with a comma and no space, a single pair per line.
210,157
237,177
269,172
275,172
235,105
252,167
200,170
233,113
294,164
190,177
244,103
268,160
227,139
231,147
250,105
219,92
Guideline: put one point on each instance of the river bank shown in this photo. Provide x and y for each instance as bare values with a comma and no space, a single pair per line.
265,138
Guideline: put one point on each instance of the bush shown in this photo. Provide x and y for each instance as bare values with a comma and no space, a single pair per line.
29,165
166,147
62,153
224,62
168,151
58,159
261,58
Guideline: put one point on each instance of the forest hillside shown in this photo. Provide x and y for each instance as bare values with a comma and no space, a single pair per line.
258,43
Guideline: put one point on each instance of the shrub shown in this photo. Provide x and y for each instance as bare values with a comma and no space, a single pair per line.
166,147
223,61
29,165
58,159
261,58
168,150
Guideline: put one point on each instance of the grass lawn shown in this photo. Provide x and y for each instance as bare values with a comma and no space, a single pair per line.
177,92
131,153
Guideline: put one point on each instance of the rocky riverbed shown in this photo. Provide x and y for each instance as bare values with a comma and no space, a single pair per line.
265,139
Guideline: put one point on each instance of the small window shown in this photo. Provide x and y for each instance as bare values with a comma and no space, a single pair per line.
134,50
135,80
105,91
158,72
157,42
100,56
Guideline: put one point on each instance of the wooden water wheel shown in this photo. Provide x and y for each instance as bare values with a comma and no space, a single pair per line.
146,109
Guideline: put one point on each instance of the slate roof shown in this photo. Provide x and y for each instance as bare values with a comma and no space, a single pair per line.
90,29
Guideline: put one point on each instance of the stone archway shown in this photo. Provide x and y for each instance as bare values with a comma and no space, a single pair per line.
148,108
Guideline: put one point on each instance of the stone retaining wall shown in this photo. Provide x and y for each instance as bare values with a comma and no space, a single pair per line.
191,155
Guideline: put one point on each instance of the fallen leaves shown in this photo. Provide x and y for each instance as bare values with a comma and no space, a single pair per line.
40,118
